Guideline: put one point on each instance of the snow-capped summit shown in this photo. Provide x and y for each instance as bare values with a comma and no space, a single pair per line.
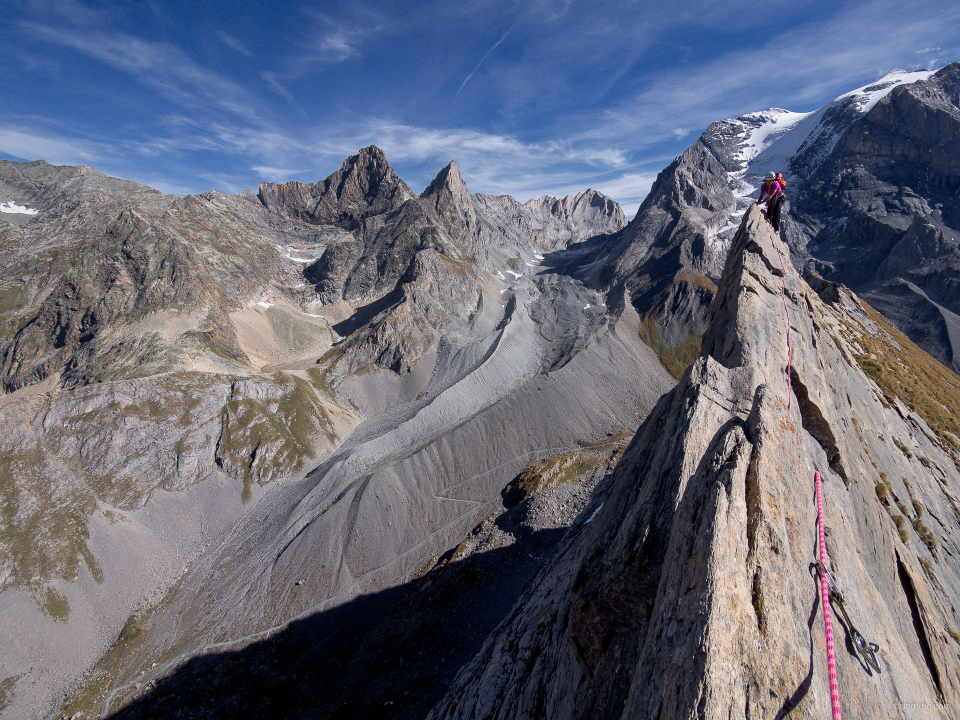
869,95
770,139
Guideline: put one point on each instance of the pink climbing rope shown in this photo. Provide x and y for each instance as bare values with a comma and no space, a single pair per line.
783,297
825,595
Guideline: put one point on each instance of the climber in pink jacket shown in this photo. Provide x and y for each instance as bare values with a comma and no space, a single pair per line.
771,193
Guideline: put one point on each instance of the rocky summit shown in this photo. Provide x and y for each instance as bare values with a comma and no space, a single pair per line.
341,449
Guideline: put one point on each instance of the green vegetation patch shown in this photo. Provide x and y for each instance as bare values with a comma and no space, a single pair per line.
926,535
563,469
675,358
903,448
262,439
901,522
6,691
55,605
902,370
883,490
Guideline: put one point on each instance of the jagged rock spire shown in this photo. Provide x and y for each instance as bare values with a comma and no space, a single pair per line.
365,185
450,198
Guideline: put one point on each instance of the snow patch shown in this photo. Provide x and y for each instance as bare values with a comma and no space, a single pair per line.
771,138
515,274
11,207
869,95
538,257
762,129
587,306
265,305
590,519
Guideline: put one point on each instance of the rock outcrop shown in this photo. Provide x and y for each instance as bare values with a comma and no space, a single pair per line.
550,224
688,587
363,187
670,255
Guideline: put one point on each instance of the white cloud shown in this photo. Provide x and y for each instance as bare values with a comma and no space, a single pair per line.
233,43
163,186
628,189
28,145
796,69
329,40
274,84
277,175
160,65
337,43
485,56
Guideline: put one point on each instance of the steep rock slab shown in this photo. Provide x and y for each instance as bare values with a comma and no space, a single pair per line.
689,590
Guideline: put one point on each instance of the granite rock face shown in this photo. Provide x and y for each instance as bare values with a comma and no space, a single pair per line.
687,588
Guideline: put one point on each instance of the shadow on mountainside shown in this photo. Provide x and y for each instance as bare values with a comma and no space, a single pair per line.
391,654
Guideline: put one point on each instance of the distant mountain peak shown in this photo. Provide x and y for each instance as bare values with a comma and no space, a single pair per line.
371,159
365,185
449,179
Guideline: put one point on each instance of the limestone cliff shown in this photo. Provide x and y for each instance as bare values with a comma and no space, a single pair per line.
688,587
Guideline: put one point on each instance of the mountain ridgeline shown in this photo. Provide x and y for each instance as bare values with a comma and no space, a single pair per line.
167,361
345,450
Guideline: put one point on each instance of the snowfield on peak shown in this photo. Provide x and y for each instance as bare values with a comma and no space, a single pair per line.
772,137
869,95
11,207
764,128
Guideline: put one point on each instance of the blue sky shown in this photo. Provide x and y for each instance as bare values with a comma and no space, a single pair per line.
533,97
